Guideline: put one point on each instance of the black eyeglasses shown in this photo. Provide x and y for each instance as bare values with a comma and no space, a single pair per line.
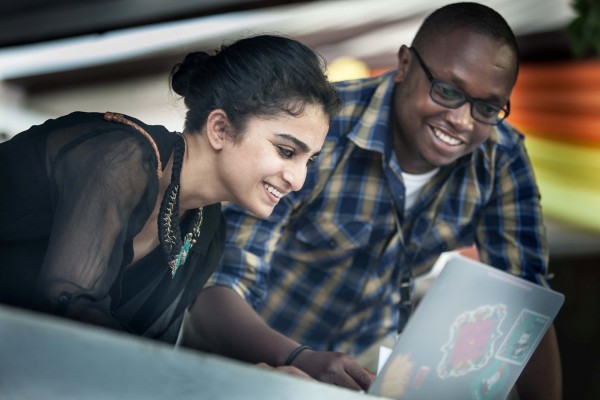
448,96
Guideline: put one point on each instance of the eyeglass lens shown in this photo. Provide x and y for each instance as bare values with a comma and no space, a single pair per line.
448,96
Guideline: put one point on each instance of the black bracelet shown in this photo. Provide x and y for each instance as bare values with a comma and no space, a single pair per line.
295,353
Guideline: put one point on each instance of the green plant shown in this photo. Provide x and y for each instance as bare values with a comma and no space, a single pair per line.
584,30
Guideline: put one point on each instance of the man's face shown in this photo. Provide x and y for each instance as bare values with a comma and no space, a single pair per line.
428,135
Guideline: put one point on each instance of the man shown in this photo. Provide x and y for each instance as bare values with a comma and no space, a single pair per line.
419,162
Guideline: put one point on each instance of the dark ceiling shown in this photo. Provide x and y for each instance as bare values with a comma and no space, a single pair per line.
32,21
25,22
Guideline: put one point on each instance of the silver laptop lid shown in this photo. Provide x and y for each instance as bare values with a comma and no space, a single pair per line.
470,336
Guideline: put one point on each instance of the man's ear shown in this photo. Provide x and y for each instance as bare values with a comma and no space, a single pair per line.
217,128
404,58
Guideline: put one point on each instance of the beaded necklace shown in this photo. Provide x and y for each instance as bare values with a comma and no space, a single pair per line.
169,231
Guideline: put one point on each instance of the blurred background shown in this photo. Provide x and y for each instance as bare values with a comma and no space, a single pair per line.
58,56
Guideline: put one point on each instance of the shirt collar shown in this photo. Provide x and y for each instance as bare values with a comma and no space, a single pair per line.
372,132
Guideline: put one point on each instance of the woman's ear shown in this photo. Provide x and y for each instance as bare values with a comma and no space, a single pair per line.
217,128
404,57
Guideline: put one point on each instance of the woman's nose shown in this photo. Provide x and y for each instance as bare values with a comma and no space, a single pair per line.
295,176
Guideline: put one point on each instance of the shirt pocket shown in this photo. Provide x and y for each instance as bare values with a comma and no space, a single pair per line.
327,240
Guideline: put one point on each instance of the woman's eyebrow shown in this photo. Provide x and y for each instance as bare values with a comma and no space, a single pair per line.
299,143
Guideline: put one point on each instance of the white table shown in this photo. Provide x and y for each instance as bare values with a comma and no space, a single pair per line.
47,358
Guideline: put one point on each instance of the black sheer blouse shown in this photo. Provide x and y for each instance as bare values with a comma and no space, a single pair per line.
74,192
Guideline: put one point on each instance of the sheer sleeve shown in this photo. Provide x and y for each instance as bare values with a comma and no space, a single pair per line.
104,189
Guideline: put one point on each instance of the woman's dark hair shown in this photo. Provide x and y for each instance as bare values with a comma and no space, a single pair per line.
257,76
474,17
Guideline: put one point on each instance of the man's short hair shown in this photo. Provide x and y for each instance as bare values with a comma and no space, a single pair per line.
474,17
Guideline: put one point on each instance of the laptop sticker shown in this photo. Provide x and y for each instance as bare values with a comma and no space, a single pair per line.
471,343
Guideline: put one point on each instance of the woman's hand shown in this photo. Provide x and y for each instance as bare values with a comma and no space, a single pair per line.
217,330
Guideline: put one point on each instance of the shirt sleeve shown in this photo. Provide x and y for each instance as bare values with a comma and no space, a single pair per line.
511,233
104,189
250,241
249,246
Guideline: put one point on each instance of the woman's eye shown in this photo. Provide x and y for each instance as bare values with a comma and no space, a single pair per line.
285,153
311,161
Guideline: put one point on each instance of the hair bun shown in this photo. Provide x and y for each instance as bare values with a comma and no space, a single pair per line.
183,71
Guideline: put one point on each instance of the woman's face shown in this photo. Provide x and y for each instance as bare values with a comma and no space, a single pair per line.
270,160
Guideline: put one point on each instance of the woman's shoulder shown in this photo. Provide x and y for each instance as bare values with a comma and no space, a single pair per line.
158,136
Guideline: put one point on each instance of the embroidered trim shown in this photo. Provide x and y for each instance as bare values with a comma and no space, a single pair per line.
116,117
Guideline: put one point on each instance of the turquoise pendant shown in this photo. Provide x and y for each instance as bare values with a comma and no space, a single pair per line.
183,253
188,241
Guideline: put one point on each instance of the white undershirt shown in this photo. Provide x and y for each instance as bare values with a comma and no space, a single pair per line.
413,184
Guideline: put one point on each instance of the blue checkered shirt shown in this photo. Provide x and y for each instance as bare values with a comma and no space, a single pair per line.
325,267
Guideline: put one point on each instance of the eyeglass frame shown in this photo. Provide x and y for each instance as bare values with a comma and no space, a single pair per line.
466,97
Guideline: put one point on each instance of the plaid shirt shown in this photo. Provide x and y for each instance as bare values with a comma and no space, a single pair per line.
325,267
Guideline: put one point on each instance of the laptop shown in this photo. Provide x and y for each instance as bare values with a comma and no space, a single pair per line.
470,336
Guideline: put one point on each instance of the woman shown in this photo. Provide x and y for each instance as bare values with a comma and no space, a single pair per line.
113,222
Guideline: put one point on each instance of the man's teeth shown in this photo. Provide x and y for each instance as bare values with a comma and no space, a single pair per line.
274,191
446,139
